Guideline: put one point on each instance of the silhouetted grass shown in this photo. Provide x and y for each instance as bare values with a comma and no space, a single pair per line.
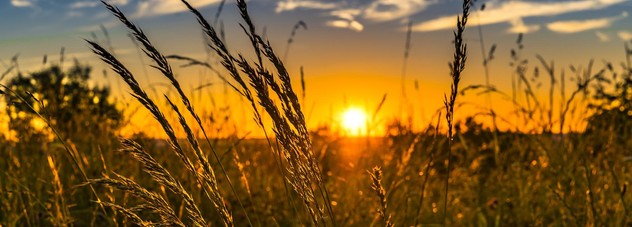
545,169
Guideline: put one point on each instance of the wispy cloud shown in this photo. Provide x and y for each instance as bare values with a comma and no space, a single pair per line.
573,26
21,3
518,26
347,14
625,35
143,8
161,7
603,37
387,10
346,18
119,2
73,5
290,5
83,4
349,24
499,12
352,14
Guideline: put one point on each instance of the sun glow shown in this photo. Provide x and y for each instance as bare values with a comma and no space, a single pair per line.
354,121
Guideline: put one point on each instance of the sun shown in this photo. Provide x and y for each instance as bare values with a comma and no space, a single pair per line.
354,121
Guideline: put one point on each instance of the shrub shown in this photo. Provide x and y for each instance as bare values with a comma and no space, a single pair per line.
76,110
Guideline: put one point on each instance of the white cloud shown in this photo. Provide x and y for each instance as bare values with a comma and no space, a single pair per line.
573,26
346,18
351,15
161,7
119,2
84,4
347,14
625,35
349,24
289,5
498,12
603,37
387,10
76,4
21,3
518,26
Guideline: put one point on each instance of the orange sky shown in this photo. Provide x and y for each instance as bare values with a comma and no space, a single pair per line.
344,67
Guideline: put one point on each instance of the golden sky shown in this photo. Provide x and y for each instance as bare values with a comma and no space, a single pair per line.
352,52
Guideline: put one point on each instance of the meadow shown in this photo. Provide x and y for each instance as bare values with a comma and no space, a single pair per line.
562,162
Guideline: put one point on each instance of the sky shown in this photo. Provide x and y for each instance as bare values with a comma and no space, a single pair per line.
352,51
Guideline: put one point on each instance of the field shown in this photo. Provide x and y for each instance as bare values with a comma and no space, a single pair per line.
562,159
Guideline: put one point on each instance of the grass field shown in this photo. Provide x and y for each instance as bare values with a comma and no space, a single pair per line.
564,160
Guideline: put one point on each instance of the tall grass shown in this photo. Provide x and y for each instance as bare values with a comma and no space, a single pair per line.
376,178
527,175
456,68
289,122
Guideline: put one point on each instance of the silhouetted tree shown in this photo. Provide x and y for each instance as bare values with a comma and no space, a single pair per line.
613,106
76,110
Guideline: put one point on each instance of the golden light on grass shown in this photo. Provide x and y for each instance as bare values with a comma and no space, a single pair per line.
354,121
38,124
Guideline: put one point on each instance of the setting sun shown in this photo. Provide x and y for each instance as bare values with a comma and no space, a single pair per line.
150,98
354,121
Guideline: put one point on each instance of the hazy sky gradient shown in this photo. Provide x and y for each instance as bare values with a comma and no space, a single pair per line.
352,52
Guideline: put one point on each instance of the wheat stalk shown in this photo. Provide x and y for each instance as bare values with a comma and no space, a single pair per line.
164,178
141,96
376,179
288,120
456,68
156,203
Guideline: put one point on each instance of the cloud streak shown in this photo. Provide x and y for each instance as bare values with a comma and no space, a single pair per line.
603,37
148,8
387,10
83,4
290,5
21,3
352,15
502,12
349,24
574,26
518,26
142,8
625,35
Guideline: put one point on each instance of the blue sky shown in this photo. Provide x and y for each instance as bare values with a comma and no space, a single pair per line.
359,42
42,23
564,16
605,20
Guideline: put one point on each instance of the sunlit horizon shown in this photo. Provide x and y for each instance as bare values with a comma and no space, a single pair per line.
366,61
315,112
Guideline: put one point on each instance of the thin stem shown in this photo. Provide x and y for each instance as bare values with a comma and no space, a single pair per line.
456,68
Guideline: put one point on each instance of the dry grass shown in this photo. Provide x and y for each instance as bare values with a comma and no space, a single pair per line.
297,177
289,122
376,179
456,68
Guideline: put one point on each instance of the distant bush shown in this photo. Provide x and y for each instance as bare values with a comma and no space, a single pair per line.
613,106
76,110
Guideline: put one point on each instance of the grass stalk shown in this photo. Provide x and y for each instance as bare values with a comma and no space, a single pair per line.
456,68
288,120
141,96
407,48
426,171
164,67
69,152
376,179
300,24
